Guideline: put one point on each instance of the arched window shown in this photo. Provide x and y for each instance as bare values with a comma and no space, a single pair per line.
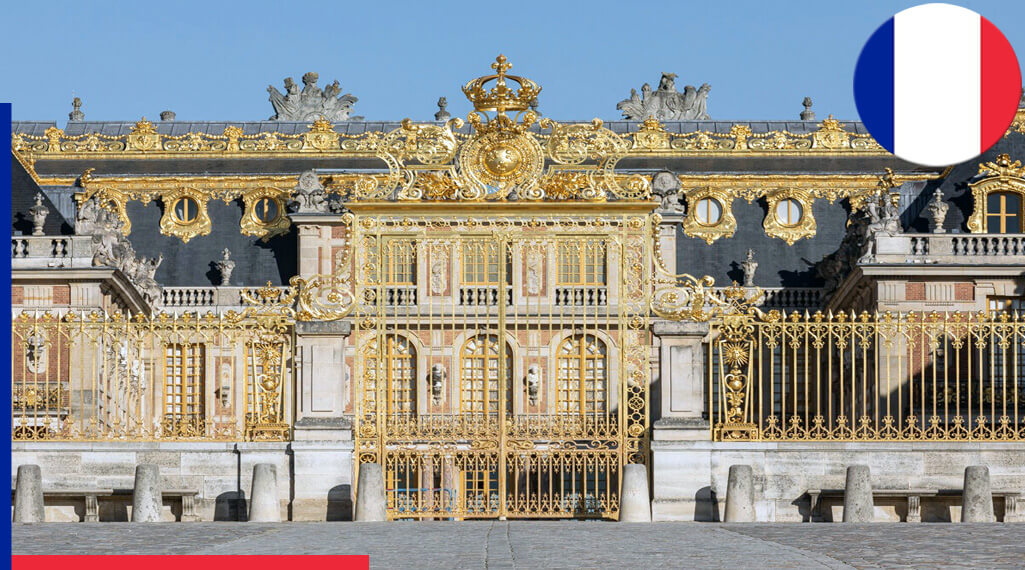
479,370
397,370
1003,213
582,375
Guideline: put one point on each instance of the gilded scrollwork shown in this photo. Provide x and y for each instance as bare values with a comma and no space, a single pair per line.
709,214
789,216
185,214
264,213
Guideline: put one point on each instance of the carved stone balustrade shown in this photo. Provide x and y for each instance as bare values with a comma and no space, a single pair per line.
47,252
202,299
966,249
788,298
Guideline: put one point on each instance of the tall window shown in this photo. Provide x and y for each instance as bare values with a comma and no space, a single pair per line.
582,375
481,263
399,262
582,262
1003,213
479,374
183,386
396,367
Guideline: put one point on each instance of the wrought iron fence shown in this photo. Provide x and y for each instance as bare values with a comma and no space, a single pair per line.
108,377
882,377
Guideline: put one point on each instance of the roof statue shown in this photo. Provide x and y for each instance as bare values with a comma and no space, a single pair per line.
666,103
311,102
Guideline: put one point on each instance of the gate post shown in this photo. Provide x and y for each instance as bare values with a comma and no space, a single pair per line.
681,377
322,444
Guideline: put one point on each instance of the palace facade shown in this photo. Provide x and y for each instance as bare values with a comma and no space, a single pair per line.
506,310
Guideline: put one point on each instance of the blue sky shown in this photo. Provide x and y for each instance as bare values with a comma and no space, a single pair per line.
213,60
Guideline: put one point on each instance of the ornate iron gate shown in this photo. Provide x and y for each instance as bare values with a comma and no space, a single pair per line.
502,362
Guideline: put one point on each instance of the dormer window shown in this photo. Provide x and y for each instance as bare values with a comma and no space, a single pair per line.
1003,213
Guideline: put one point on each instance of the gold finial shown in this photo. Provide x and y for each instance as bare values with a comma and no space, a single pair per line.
501,65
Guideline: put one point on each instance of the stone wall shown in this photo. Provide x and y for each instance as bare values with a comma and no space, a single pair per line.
314,478
689,477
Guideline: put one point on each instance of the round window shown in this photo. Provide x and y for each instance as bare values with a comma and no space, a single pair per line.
266,210
708,211
186,210
789,212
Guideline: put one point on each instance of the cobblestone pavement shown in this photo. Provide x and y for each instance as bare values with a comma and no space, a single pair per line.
557,544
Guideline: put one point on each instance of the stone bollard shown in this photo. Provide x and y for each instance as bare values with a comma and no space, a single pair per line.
263,502
634,501
740,500
370,501
28,495
977,497
857,495
147,502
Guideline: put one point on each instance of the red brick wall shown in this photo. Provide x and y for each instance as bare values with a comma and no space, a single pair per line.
964,291
61,294
914,291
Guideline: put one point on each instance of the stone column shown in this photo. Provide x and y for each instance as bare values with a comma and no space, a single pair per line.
263,501
147,501
370,499
28,495
634,501
740,503
977,497
857,496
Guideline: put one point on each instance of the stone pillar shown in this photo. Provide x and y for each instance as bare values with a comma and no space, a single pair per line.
147,501
857,496
681,377
370,499
263,501
977,497
634,501
28,495
740,502
324,382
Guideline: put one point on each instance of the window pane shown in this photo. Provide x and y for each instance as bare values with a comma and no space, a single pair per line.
709,211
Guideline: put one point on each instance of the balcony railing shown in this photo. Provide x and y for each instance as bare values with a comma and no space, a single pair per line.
915,377
952,248
193,298
47,252
581,296
484,295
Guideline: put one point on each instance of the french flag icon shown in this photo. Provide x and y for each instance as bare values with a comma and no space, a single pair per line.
937,84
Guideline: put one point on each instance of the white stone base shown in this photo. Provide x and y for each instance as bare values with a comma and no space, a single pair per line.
690,476
314,478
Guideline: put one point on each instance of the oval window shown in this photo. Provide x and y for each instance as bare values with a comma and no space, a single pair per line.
789,212
708,211
186,210
266,210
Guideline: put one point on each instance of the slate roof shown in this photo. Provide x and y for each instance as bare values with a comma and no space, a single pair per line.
190,264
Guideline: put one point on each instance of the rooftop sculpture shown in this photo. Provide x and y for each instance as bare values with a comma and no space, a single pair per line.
311,102
666,103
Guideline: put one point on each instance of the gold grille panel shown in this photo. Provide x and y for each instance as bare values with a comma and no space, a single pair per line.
529,348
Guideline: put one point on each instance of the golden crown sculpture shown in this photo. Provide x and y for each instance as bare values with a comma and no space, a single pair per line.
501,97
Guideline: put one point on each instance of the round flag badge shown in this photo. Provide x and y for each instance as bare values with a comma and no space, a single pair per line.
937,84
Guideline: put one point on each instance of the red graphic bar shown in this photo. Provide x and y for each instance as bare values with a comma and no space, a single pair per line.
204,562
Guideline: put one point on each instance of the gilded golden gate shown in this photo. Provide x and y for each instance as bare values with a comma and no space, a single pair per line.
501,362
